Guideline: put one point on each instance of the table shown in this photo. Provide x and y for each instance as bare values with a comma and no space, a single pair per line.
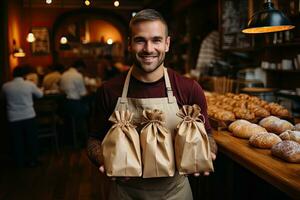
284,176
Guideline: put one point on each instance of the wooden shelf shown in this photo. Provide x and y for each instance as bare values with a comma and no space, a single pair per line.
289,44
281,71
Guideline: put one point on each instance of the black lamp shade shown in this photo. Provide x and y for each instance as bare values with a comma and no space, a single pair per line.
268,20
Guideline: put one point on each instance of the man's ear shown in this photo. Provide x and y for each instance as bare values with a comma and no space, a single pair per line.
168,40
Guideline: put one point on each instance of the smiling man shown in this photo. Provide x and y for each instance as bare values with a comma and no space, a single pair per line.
147,84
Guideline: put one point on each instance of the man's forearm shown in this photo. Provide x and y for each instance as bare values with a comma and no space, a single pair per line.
94,151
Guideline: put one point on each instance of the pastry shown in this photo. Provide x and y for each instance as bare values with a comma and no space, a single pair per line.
245,129
287,150
264,140
290,135
276,125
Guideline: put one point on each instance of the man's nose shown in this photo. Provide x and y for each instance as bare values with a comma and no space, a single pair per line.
148,46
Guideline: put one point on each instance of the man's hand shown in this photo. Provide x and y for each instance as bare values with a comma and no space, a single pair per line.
213,157
102,170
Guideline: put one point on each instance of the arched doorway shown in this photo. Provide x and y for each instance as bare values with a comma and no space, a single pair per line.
90,36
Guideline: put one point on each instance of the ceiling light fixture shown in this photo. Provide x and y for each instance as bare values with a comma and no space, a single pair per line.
63,40
87,2
116,3
109,41
30,37
48,1
268,20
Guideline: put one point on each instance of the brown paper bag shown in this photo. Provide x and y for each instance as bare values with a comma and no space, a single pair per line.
192,150
157,146
121,147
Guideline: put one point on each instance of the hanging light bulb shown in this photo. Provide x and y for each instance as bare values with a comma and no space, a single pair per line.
87,2
109,41
30,37
48,1
63,40
116,3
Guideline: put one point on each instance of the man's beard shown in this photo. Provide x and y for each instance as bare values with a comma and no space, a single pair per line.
138,64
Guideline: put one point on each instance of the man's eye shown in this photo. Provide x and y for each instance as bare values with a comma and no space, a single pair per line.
157,40
139,41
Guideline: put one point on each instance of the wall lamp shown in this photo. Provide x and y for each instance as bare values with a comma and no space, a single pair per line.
17,51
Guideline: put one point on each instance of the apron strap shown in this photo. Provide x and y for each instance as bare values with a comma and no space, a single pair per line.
171,98
125,88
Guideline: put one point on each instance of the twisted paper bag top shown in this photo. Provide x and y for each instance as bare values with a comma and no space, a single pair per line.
191,113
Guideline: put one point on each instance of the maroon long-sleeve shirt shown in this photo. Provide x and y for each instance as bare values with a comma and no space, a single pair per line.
186,91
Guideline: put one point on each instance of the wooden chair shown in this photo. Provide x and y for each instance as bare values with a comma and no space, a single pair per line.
46,114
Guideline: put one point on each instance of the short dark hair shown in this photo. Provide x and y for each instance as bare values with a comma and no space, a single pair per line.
147,15
20,71
79,64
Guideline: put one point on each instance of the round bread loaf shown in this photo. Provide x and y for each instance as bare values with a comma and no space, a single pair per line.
246,130
290,135
297,127
275,125
237,124
264,140
287,150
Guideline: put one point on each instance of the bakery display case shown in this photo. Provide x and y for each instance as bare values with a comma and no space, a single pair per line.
260,137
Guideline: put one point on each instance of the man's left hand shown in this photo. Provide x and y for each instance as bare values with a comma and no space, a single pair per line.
213,157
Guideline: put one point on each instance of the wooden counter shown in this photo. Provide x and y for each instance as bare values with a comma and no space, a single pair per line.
285,176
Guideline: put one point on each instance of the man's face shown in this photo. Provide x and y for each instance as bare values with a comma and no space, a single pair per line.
148,45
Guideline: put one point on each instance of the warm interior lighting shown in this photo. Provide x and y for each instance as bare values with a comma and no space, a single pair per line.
17,52
267,29
30,37
268,20
109,41
63,40
48,1
133,14
87,2
116,3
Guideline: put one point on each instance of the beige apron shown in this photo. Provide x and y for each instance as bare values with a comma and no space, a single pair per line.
170,188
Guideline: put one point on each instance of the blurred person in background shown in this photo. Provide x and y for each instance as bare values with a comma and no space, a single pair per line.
19,95
51,81
76,106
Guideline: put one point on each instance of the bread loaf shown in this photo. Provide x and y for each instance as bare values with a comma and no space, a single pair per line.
287,150
290,135
264,140
297,127
275,125
245,129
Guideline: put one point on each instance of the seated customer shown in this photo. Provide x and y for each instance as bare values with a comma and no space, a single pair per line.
52,80
21,117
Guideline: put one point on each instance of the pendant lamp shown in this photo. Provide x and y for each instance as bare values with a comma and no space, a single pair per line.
30,36
268,20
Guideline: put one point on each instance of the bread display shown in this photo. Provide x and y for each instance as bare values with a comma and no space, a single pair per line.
290,135
220,114
287,150
243,106
245,129
264,140
275,125
276,109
